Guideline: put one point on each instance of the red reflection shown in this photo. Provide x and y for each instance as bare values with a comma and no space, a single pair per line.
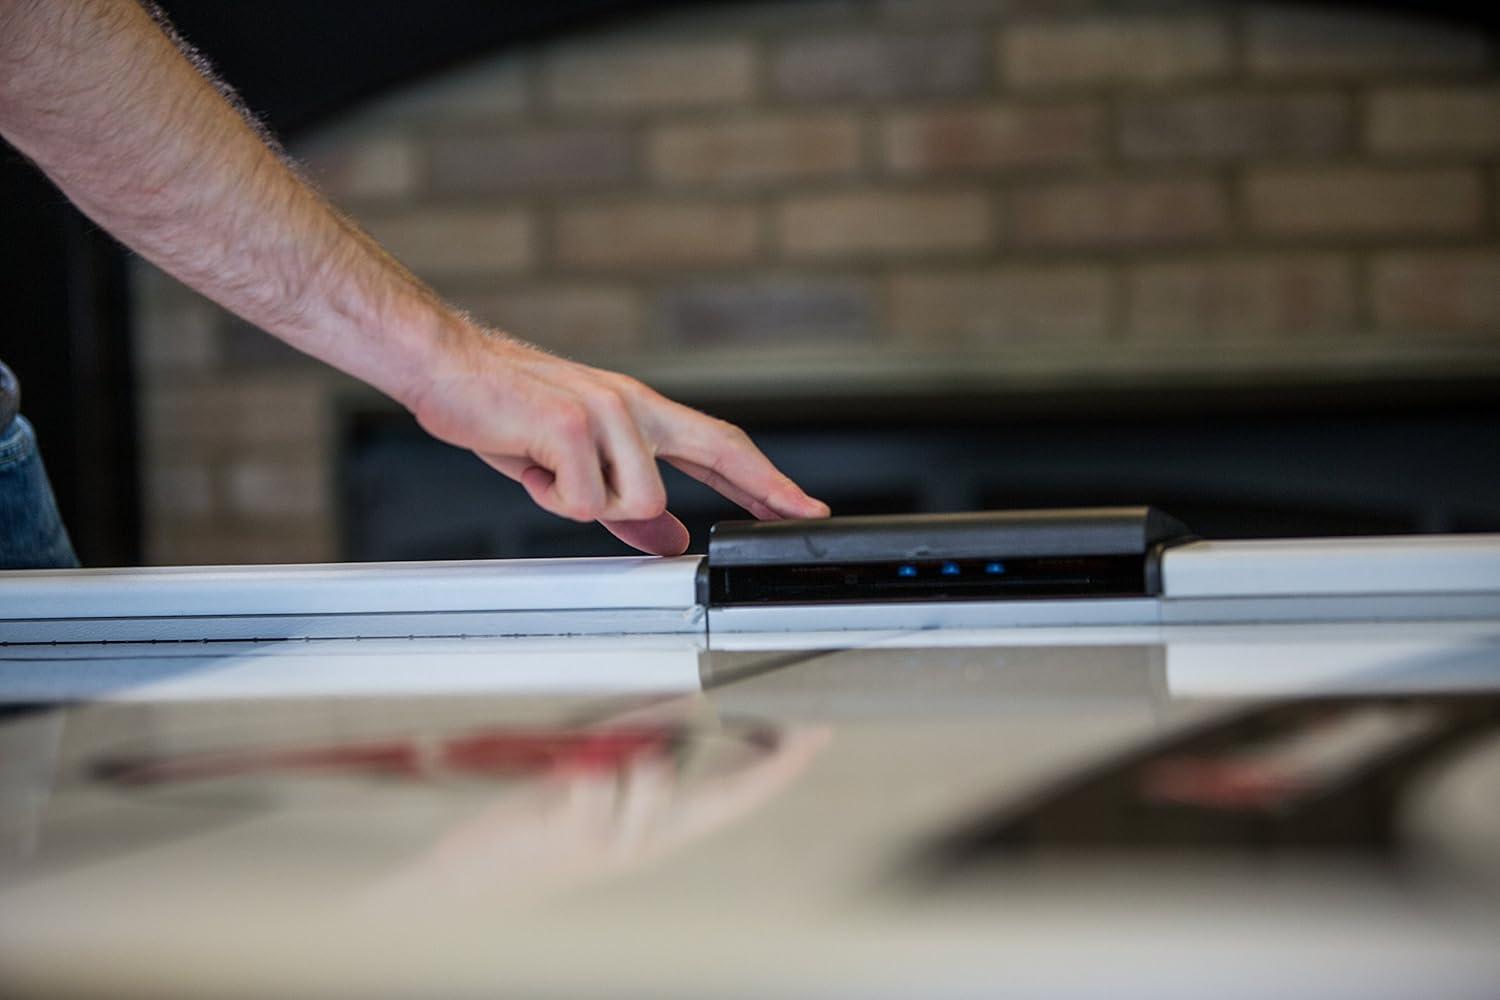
499,753
1230,783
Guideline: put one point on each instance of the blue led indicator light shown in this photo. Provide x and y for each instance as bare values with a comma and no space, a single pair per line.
907,570
994,568
951,569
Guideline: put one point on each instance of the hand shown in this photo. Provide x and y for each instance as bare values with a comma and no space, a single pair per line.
584,442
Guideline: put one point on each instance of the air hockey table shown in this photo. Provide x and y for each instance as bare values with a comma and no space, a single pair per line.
1055,753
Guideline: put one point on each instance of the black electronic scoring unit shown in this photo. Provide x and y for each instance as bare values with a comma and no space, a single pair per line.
988,556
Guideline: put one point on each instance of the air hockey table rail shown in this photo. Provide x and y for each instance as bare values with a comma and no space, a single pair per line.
1108,567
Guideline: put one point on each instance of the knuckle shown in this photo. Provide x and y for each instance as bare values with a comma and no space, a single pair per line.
731,434
632,388
571,421
648,505
612,403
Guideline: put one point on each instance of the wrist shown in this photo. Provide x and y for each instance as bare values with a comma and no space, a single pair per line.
386,328
425,351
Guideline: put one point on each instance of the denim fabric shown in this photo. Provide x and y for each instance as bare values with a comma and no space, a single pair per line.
31,532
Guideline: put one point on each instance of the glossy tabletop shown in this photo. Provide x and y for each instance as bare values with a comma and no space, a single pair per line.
1307,810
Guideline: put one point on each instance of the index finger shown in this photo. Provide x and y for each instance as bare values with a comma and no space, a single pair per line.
723,456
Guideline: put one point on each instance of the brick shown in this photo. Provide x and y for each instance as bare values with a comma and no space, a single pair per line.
1292,42
869,65
1242,296
884,223
269,413
157,287
592,319
494,88
1225,126
229,542
365,168
289,485
988,138
1438,291
522,160
1114,50
456,241
245,347
1463,120
174,334
1120,213
642,77
780,309
1362,201
178,489
999,305
781,148
657,233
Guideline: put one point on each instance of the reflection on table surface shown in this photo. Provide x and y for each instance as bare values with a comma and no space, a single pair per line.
1306,809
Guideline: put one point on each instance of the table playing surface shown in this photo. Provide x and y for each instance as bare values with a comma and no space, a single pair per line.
1297,809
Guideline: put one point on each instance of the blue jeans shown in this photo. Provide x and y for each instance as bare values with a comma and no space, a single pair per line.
32,535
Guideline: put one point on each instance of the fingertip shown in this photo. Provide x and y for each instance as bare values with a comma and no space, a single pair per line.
671,547
796,503
659,536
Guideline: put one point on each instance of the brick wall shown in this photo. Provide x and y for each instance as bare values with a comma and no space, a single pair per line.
1064,189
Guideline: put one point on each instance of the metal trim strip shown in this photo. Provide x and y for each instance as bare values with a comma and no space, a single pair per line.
1410,564
351,588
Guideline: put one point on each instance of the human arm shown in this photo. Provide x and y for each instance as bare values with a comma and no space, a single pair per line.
144,143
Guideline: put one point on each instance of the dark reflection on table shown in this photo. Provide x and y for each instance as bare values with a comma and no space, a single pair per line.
1332,780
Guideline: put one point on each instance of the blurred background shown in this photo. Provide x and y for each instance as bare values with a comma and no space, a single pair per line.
1238,260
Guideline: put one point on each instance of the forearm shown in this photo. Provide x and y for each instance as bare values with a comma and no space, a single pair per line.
143,142
101,99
